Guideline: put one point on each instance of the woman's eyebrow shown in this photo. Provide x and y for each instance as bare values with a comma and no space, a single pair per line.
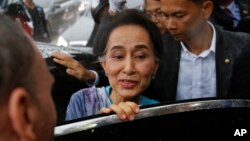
141,46
116,47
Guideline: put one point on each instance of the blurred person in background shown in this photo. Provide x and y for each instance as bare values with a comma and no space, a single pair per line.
152,8
102,13
36,13
98,13
232,15
17,11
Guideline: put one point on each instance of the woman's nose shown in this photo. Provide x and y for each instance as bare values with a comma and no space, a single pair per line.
129,66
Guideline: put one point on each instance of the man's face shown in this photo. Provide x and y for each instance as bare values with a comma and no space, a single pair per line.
46,116
152,7
183,18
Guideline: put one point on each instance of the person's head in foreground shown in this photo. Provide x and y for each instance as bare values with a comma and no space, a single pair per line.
26,107
129,50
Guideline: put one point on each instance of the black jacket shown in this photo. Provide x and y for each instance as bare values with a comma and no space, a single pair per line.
40,32
229,45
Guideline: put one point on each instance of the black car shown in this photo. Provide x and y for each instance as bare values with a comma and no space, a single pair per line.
203,119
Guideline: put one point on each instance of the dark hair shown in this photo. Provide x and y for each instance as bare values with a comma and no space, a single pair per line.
17,10
16,58
98,10
128,17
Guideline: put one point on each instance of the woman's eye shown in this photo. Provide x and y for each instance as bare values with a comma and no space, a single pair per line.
118,57
140,56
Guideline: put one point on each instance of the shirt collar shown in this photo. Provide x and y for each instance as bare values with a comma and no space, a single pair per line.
212,45
231,6
213,42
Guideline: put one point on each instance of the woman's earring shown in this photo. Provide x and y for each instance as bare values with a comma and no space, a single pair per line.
106,74
153,75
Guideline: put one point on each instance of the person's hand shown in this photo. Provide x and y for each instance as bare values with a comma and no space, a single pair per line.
124,110
74,67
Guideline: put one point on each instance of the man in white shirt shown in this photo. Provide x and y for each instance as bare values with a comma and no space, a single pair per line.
200,58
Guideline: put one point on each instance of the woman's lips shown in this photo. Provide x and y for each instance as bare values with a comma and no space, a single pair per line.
128,84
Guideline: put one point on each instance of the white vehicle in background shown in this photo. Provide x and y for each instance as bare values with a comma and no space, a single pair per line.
79,33
60,14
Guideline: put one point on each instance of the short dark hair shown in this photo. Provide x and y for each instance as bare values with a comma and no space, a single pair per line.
128,17
16,58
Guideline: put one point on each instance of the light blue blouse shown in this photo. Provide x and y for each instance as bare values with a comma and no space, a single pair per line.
89,101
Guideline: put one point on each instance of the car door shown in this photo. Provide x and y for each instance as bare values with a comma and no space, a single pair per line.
208,119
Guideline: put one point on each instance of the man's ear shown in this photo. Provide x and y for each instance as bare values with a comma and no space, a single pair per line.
207,8
20,113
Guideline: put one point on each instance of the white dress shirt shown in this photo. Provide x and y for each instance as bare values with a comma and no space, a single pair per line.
197,74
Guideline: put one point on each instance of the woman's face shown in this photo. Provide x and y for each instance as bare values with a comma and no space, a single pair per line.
129,61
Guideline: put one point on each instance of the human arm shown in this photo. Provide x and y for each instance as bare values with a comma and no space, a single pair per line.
74,67
124,110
